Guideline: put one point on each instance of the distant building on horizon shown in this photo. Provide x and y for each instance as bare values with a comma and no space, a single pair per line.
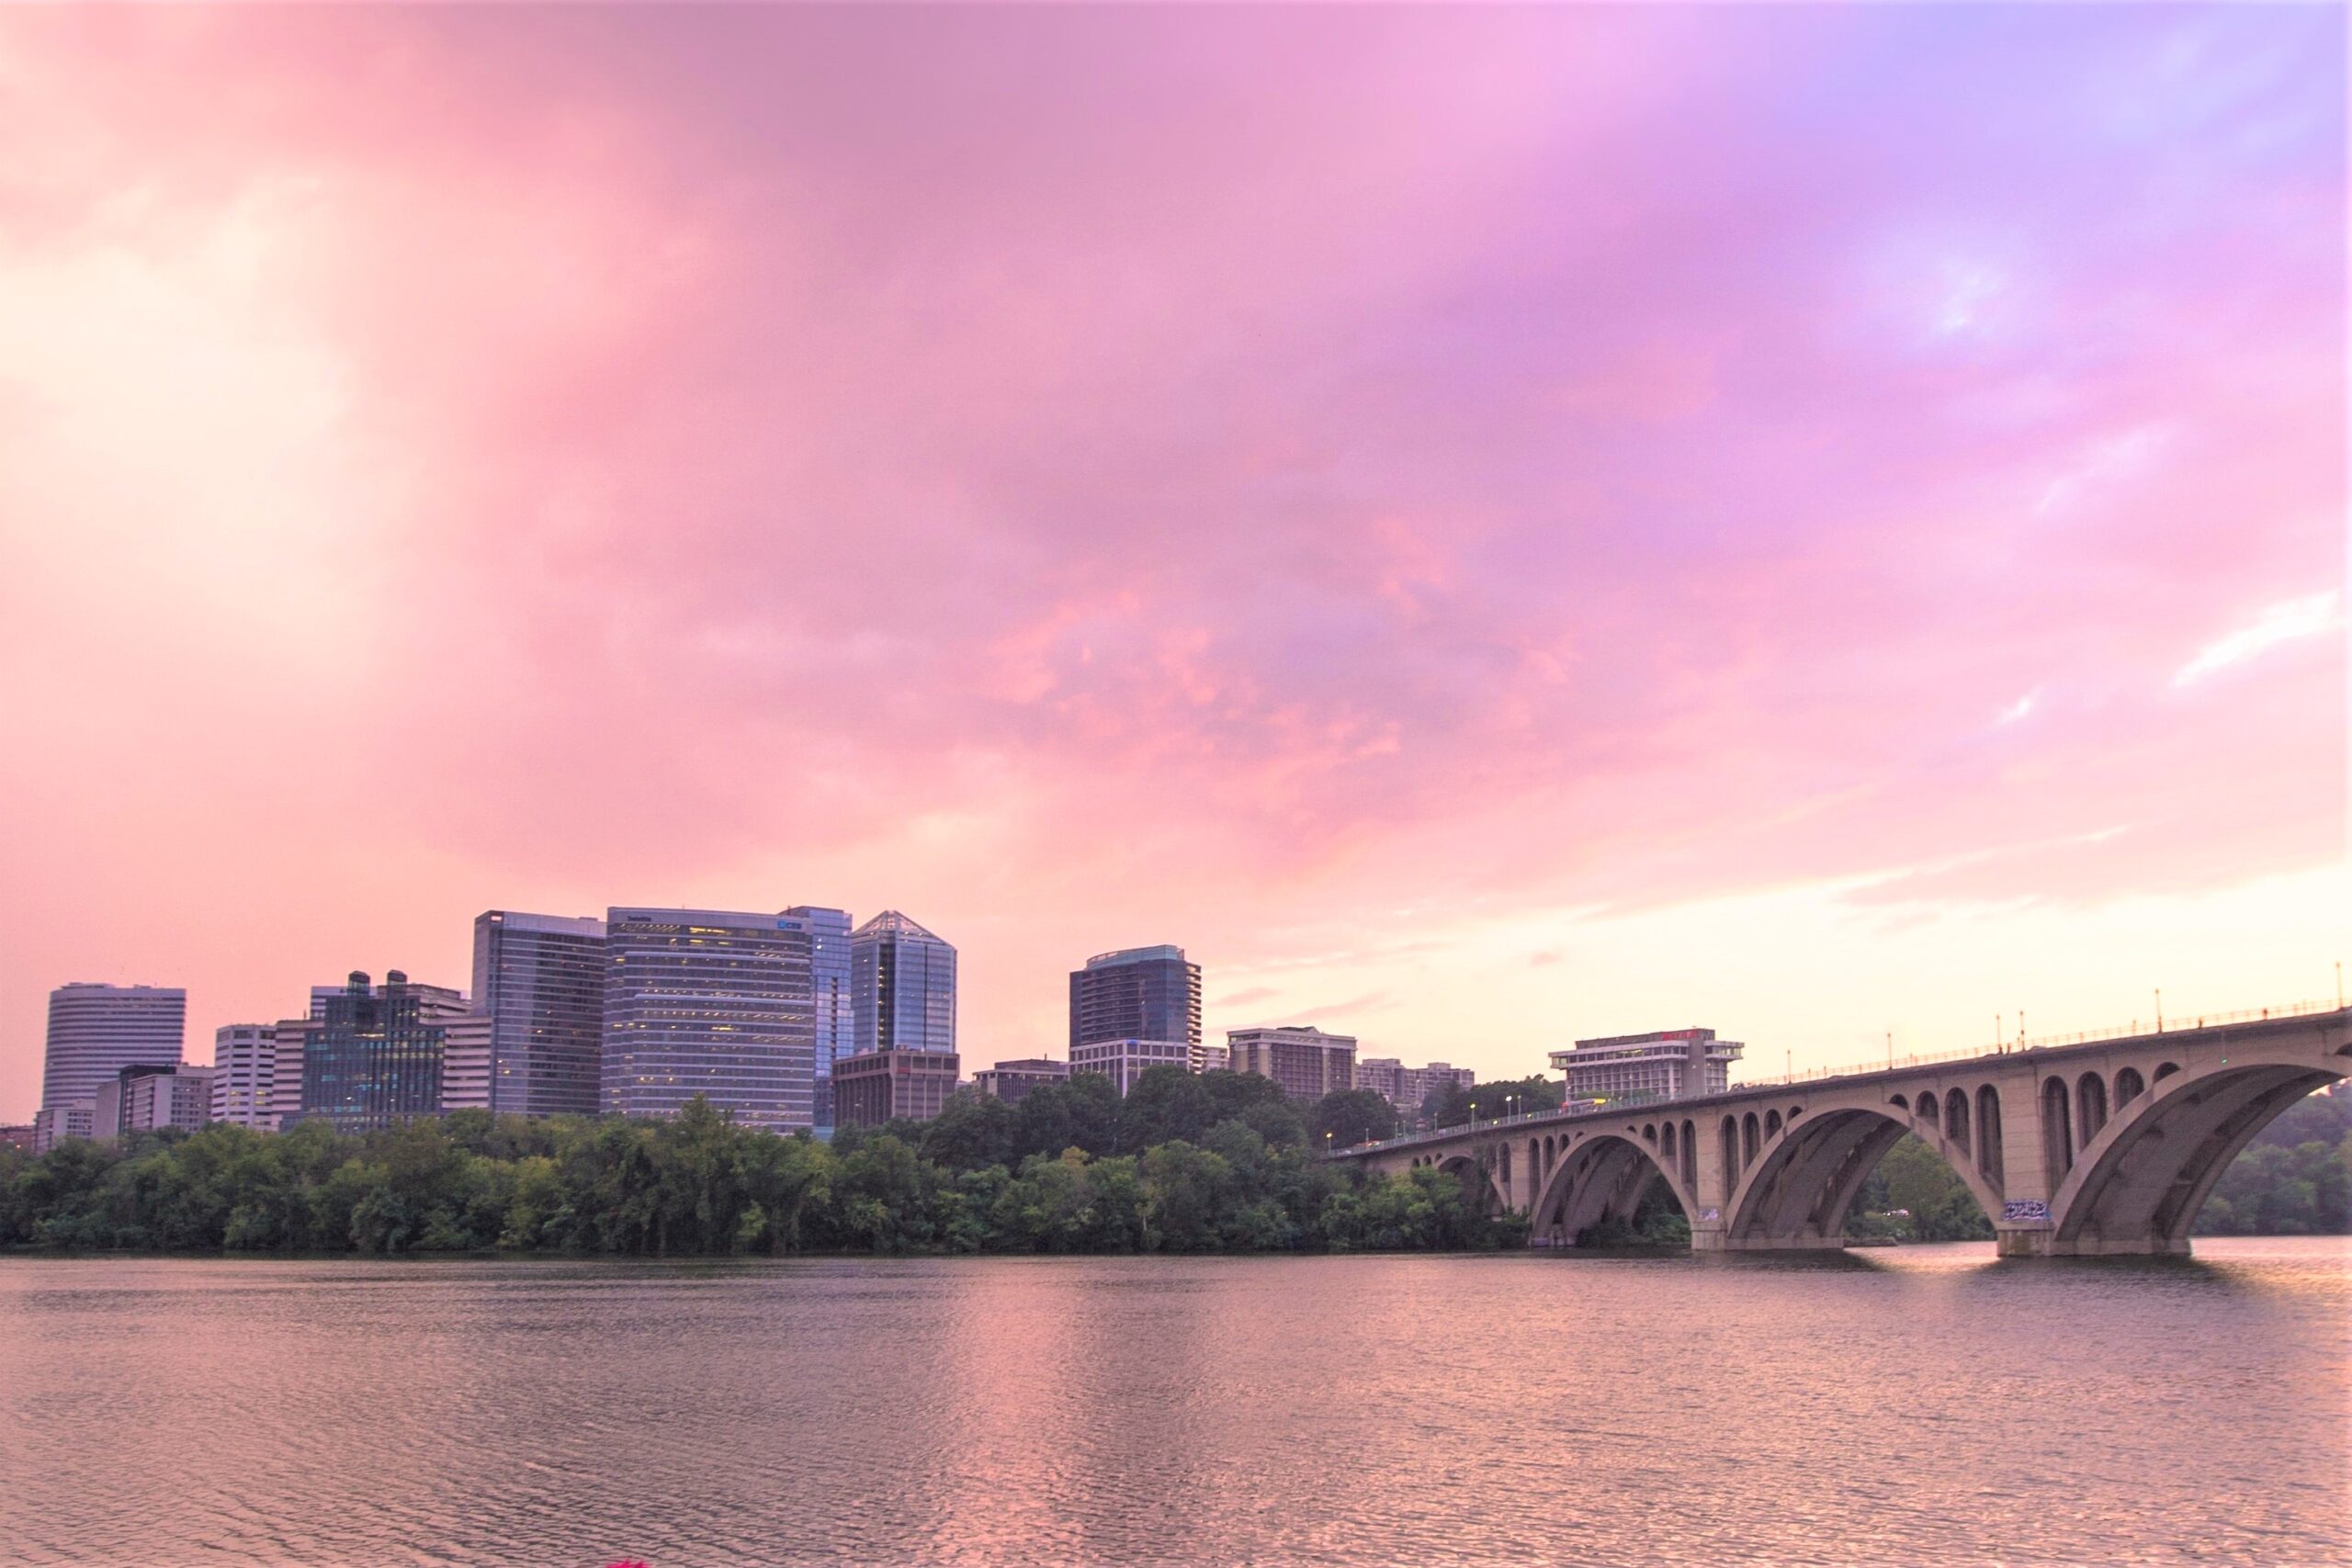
1136,993
902,986
832,1003
373,1055
1124,1061
150,1099
871,1087
96,1031
18,1136
714,1002
52,1124
540,980
1409,1088
1670,1063
1012,1081
244,1071
1308,1063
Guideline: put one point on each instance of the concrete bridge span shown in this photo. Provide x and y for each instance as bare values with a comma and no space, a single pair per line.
2103,1146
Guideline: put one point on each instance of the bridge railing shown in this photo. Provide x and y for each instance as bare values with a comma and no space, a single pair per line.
1814,1075
2135,1029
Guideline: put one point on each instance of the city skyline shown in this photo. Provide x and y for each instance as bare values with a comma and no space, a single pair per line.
1490,528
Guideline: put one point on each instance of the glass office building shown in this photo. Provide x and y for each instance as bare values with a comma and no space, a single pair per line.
371,1056
1138,993
836,1011
712,1002
541,980
902,985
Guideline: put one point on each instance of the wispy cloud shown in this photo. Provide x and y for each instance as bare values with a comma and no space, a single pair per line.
2018,710
2289,621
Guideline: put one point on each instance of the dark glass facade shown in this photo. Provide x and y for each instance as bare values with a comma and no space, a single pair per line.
830,994
1140,993
710,1002
541,980
902,985
371,1057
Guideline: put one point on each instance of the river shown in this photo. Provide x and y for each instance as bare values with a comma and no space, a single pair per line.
1922,1404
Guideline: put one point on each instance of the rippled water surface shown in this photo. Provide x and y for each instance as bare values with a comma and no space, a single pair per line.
1922,1404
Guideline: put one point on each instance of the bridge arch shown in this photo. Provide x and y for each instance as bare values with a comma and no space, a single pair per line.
1603,1175
2090,1107
1989,1133
1798,1193
2138,1181
1476,1173
2057,1128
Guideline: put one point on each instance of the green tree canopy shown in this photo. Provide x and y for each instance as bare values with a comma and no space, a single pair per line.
1350,1116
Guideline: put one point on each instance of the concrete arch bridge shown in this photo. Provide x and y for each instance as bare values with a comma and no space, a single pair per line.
2109,1147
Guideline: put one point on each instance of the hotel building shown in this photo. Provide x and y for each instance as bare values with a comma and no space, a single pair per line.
1674,1063
1306,1063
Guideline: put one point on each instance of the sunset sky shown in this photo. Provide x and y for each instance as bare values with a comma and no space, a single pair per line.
1487,527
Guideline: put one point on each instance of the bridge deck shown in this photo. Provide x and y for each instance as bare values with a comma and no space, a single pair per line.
2256,1021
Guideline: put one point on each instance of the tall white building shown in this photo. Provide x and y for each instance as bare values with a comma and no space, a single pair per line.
245,1065
96,1031
1671,1064
467,1043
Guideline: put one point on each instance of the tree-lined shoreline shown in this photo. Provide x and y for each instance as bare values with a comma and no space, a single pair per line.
1216,1162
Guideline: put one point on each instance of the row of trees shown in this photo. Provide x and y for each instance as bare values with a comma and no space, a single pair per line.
1216,1162
2294,1179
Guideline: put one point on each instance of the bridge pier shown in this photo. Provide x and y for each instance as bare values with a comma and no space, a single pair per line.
2021,1241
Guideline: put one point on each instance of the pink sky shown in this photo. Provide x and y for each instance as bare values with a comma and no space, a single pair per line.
1486,525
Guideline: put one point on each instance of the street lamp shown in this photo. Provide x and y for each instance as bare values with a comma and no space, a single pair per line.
1473,1113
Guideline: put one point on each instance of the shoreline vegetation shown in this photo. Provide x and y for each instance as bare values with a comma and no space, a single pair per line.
1213,1163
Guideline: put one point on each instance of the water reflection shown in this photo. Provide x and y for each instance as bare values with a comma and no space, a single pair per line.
1925,1403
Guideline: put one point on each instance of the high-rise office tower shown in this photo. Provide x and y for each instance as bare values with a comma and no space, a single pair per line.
96,1031
836,1010
902,986
1139,993
712,1002
244,1068
540,978
372,1056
